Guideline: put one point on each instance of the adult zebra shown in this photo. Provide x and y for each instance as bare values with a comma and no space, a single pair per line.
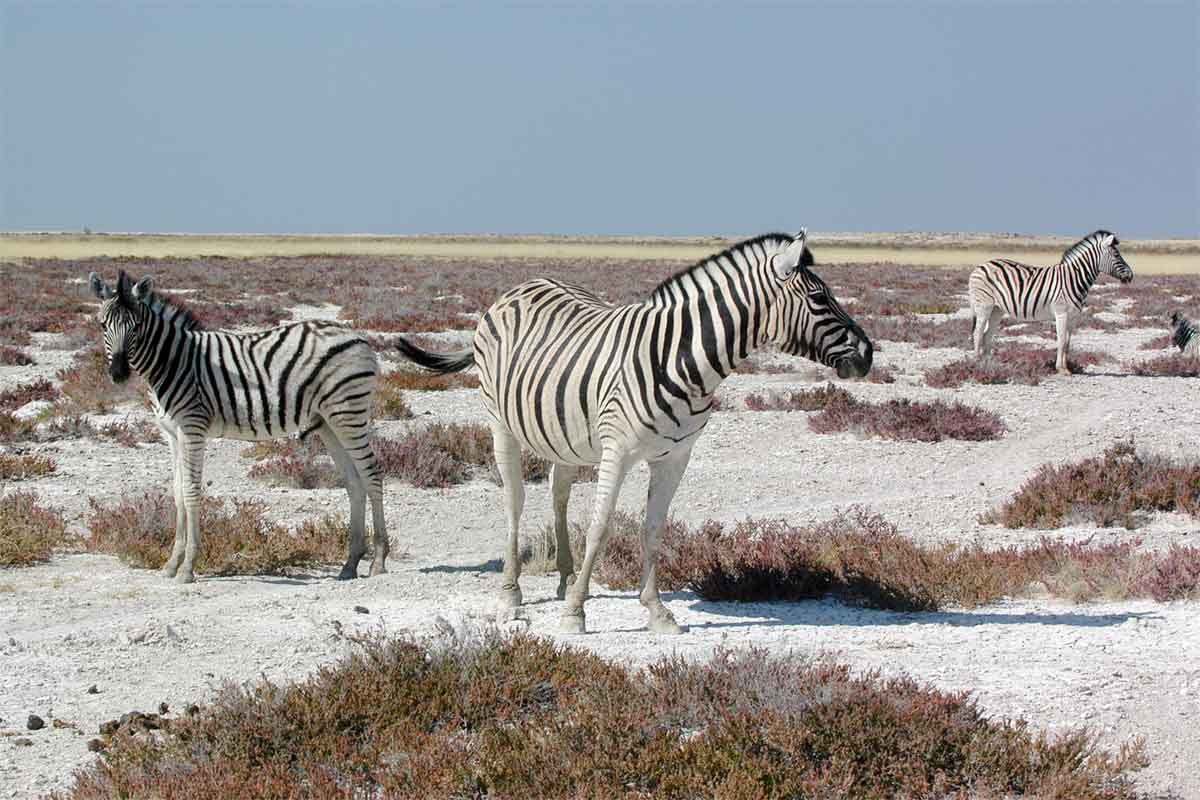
301,378
1003,287
1185,335
579,381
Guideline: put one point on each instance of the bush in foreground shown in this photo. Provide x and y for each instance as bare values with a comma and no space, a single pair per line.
87,386
140,530
861,559
489,715
1114,488
40,389
300,464
29,532
444,454
899,419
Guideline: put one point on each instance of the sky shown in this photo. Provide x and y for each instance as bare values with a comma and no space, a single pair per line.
671,119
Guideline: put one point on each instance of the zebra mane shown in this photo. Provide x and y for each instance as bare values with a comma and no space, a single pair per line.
1083,244
161,304
728,251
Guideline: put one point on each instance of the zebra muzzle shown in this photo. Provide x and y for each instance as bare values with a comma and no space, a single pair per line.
118,368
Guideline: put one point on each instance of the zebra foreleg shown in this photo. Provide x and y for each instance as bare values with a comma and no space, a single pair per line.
664,480
170,568
1062,324
562,477
192,450
508,462
613,466
358,501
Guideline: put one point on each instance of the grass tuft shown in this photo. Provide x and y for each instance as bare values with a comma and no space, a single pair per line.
1007,365
1171,365
237,540
25,467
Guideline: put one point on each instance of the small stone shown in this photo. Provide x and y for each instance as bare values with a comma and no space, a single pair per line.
93,689
23,742
163,708
361,610
192,710
35,723
96,745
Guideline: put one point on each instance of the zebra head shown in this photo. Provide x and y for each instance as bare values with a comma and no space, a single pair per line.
1111,260
121,318
807,320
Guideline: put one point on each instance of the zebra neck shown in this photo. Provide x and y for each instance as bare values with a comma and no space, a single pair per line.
165,356
716,324
1079,273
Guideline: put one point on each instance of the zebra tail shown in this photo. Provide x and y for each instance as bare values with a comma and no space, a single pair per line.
440,363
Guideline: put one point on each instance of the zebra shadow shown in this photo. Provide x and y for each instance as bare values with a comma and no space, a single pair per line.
492,565
815,613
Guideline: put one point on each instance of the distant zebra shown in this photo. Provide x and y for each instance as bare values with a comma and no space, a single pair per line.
1002,287
1186,337
300,378
579,381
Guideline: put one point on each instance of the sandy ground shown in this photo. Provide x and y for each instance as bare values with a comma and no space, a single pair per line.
1123,669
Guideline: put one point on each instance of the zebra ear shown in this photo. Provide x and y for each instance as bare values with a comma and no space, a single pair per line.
788,260
123,287
99,288
141,289
1109,240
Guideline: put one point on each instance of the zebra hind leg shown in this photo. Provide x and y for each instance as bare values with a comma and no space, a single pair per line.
664,480
358,500
613,466
508,462
562,477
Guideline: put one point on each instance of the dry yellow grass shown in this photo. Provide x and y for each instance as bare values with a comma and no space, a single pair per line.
1150,257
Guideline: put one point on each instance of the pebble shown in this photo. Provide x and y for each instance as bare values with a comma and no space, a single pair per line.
362,610
35,723
93,689
21,741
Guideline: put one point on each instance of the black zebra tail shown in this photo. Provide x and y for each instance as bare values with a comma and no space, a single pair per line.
440,363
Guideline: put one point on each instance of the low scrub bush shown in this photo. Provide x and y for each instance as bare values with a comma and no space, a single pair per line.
908,420
13,357
1008,365
87,387
13,429
861,559
1115,488
1171,365
301,464
25,467
496,715
1164,342
800,400
445,454
29,531
389,402
428,381
129,433
40,389
921,332
901,419
237,540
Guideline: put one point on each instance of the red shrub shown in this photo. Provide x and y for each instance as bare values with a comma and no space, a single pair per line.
1172,365
1008,365
39,389
12,357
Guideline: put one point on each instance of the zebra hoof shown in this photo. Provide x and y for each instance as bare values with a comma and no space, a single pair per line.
665,625
573,622
348,573
377,568
185,577
168,571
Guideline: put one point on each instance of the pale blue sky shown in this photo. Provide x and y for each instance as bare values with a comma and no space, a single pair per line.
671,119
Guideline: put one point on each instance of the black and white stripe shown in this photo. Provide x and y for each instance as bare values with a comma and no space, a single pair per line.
579,381
307,377
1185,335
1003,287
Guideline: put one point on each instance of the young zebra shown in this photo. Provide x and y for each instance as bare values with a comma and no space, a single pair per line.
1186,337
1003,287
301,378
579,381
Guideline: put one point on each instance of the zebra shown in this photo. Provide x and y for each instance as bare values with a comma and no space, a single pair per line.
300,378
579,381
1185,337
1003,287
